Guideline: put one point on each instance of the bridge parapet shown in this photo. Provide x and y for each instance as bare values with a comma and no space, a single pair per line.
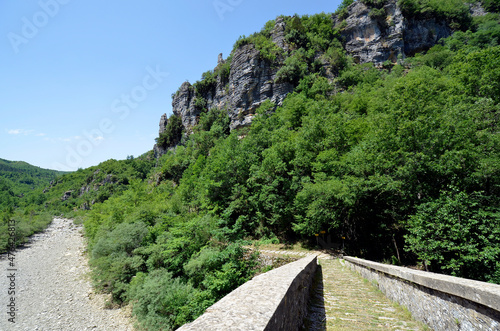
440,301
275,300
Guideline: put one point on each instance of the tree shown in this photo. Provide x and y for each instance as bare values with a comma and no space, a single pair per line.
459,234
172,134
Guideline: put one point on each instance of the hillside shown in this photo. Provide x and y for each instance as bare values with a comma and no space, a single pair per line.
375,126
24,176
21,186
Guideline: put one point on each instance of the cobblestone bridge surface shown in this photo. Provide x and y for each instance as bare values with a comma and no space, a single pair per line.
343,300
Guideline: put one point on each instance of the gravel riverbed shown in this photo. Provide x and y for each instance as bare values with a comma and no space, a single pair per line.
52,286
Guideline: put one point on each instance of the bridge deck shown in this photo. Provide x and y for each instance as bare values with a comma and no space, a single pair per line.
343,300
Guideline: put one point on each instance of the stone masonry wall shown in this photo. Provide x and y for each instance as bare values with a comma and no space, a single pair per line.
442,302
275,300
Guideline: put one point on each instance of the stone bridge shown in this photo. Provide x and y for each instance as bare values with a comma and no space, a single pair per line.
319,292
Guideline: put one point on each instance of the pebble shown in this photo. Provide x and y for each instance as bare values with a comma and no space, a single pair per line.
52,286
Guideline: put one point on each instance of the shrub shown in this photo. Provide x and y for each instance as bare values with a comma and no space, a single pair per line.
455,12
113,260
295,32
374,3
295,68
335,55
223,70
214,117
268,50
491,5
162,302
207,83
172,134
377,13
341,11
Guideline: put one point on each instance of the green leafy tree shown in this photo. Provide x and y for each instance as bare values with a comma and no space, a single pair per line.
457,234
173,132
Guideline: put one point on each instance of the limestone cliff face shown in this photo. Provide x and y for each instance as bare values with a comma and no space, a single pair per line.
251,82
378,38
183,105
369,34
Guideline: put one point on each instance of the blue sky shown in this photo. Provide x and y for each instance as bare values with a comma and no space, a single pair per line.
83,81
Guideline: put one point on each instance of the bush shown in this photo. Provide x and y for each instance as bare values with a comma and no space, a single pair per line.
207,83
374,3
295,68
455,12
268,50
216,119
224,70
491,5
341,11
296,33
377,13
162,302
113,260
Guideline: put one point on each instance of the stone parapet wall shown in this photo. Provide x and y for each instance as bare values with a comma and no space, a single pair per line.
440,301
275,300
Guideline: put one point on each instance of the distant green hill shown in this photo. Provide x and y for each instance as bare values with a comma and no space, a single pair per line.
24,177
21,200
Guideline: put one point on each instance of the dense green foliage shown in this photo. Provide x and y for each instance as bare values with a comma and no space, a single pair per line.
368,164
25,177
173,132
20,190
456,12
403,162
262,42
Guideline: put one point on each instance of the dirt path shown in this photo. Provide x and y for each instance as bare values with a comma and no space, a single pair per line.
52,287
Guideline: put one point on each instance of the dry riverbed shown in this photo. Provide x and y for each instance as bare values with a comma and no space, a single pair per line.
49,286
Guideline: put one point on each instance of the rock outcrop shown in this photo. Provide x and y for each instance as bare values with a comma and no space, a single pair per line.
183,104
163,123
159,150
376,36
251,81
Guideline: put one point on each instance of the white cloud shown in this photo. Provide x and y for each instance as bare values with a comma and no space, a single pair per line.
19,131
69,139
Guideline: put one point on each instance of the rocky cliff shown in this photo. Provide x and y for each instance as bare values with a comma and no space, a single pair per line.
380,34
251,81
368,34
